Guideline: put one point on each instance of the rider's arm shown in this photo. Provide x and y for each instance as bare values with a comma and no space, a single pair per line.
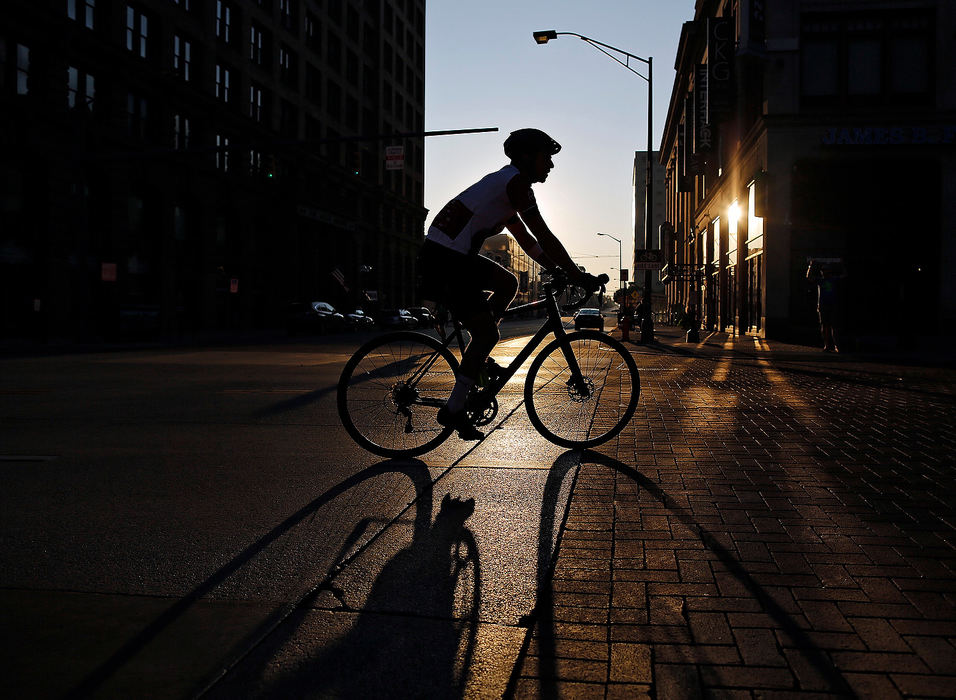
529,243
542,245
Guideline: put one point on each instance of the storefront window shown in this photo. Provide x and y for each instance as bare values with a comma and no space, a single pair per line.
754,223
716,242
733,215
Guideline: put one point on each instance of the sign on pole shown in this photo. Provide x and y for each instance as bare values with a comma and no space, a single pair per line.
394,157
645,259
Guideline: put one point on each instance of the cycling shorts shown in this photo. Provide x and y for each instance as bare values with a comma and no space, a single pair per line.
460,282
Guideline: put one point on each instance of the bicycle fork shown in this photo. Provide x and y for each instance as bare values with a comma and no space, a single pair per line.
577,379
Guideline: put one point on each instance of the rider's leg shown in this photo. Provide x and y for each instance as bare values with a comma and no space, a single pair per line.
504,287
483,327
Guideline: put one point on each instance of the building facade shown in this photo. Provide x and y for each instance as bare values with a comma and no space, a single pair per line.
176,166
821,130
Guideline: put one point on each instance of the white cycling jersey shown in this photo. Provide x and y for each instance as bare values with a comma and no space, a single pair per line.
482,210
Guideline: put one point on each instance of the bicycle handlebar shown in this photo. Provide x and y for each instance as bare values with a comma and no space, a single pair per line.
560,282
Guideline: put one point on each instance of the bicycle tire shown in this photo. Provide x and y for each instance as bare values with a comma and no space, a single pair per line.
373,394
560,412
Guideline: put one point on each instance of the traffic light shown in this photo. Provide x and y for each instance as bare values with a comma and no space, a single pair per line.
270,169
355,162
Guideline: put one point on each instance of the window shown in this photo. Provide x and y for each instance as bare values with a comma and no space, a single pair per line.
313,84
185,4
716,241
23,70
819,68
137,31
181,132
288,119
313,33
82,11
288,65
287,13
224,20
222,83
910,59
879,57
222,153
182,57
255,162
256,103
333,100
80,89
136,115
258,45
351,67
334,52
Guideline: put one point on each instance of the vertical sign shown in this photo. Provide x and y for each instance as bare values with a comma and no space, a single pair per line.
720,54
703,136
394,157
692,162
108,272
683,135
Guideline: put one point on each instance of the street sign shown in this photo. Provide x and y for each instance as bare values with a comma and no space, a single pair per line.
394,157
645,259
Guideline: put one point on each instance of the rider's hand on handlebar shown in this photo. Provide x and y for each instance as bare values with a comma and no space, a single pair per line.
588,282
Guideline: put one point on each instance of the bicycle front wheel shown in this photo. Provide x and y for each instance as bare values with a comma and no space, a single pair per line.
592,408
390,392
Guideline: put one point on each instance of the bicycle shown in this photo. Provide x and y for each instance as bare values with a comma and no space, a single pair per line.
581,389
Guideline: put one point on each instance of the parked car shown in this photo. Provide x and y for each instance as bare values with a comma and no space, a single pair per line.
423,314
397,318
358,319
589,318
313,317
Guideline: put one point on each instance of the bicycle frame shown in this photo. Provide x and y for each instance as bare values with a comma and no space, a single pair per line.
553,325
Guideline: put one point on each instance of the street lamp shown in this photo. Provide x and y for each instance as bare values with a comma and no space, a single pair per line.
619,268
543,37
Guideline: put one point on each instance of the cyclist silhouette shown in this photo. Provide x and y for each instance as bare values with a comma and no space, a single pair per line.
455,275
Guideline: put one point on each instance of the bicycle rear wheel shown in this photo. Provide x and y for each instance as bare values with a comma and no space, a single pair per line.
589,412
390,392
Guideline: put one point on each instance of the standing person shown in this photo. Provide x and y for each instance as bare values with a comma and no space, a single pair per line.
827,282
455,275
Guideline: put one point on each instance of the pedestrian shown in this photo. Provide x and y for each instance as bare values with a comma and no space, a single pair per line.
827,281
627,318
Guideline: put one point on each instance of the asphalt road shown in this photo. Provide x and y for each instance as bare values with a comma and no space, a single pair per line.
173,518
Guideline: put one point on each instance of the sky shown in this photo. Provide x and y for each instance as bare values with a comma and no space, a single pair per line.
484,69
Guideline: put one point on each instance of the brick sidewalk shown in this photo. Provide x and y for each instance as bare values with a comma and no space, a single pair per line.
765,527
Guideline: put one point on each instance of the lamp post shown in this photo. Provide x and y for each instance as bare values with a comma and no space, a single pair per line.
619,268
542,37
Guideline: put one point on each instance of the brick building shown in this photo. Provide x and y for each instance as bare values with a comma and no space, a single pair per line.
176,166
814,129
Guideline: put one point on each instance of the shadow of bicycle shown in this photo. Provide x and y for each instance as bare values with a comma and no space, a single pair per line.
545,625
420,583
410,636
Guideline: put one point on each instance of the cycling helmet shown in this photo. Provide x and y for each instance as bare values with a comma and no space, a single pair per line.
530,141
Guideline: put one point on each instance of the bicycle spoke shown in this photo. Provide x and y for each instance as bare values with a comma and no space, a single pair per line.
391,390
588,408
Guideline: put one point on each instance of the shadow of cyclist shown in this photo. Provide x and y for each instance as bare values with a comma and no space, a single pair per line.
166,623
545,628
407,639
